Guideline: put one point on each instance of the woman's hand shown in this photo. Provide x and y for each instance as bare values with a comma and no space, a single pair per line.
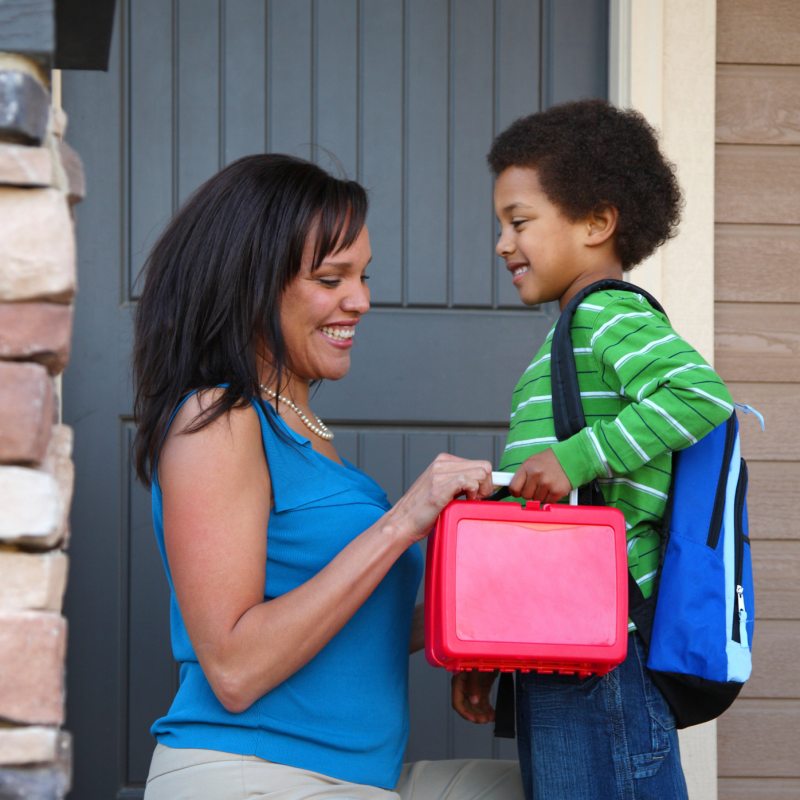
447,477
469,694
217,550
541,477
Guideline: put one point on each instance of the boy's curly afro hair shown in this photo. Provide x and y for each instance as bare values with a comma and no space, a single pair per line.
589,154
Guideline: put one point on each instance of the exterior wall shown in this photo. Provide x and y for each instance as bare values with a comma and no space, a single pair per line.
758,352
40,178
664,67
739,301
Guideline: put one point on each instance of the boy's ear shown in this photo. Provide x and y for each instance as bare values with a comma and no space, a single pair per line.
601,225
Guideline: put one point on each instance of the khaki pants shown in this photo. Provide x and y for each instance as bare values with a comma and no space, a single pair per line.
212,775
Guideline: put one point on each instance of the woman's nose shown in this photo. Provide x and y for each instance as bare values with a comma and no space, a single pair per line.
357,299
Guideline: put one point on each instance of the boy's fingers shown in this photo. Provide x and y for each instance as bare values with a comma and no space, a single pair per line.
470,698
518,483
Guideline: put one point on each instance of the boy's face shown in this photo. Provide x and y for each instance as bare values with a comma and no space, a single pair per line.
544,251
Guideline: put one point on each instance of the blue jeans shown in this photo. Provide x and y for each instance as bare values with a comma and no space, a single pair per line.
598,738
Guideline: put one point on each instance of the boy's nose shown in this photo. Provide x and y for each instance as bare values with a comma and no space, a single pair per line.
504,246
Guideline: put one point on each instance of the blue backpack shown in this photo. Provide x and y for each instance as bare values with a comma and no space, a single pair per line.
698,624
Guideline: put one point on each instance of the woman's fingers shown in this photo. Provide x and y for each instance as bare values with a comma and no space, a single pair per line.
447,477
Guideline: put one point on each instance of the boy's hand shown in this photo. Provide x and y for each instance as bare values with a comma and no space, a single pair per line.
470,692
542,478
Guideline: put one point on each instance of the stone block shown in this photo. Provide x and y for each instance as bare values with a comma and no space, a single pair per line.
26,412
73,172
25,166
58,122
32,744
58,463
32,650
31,507
36,332
24,107
37,245
32,582
35,783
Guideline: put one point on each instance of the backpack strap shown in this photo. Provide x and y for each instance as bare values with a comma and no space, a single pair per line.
569,418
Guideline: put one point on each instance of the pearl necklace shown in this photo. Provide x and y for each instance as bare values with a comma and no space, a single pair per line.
320,429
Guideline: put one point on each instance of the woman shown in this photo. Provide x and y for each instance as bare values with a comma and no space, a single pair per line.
292,579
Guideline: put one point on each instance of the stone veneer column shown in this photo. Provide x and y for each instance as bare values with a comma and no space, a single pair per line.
40,179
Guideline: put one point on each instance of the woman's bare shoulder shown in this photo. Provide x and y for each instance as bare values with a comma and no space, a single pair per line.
232,441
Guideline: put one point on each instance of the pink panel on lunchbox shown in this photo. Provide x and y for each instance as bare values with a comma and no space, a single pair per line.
566,600
539,587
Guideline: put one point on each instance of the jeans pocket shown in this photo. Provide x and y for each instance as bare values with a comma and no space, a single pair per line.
660,720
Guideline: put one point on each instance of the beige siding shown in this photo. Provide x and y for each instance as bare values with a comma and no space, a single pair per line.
757,350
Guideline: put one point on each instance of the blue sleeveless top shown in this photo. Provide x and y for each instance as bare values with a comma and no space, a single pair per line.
345,713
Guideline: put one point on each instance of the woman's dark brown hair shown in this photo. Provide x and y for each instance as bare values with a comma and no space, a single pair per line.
214,280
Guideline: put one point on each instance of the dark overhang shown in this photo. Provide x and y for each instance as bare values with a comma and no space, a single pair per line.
64,34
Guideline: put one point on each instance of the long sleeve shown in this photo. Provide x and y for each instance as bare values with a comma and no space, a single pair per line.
672,396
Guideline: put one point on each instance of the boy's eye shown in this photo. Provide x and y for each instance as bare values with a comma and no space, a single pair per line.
515,223
364,278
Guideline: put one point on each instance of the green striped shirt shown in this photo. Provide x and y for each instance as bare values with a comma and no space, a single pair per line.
645,393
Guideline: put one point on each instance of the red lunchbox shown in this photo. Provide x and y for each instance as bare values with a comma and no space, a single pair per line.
541,588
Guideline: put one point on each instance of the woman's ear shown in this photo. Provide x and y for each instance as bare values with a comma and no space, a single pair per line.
601,225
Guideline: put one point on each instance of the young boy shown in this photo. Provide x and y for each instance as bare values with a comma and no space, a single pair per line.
582,193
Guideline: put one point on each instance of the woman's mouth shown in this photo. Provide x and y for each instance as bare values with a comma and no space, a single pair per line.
340,335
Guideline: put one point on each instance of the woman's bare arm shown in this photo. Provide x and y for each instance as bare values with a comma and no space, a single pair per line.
216,492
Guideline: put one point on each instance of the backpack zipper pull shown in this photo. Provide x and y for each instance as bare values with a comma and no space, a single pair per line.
742,616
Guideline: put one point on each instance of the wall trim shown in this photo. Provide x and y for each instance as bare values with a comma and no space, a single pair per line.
662,62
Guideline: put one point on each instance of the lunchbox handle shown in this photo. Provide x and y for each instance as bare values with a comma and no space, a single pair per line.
503,479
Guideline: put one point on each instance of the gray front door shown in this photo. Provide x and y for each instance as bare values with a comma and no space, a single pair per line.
404,96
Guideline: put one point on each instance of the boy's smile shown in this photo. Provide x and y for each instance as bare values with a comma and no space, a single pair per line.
548,255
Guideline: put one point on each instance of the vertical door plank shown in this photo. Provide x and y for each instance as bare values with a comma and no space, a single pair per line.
472,251
336,95
431,731
575,62
151,674
381,136
289,91
427,97
93,603
151,145
517,89
381,456
198,59
244,77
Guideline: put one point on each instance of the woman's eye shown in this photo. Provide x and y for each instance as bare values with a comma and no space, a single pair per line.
331,283
364,278
515,223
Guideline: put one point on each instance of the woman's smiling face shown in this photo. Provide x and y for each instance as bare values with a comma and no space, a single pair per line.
321,309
